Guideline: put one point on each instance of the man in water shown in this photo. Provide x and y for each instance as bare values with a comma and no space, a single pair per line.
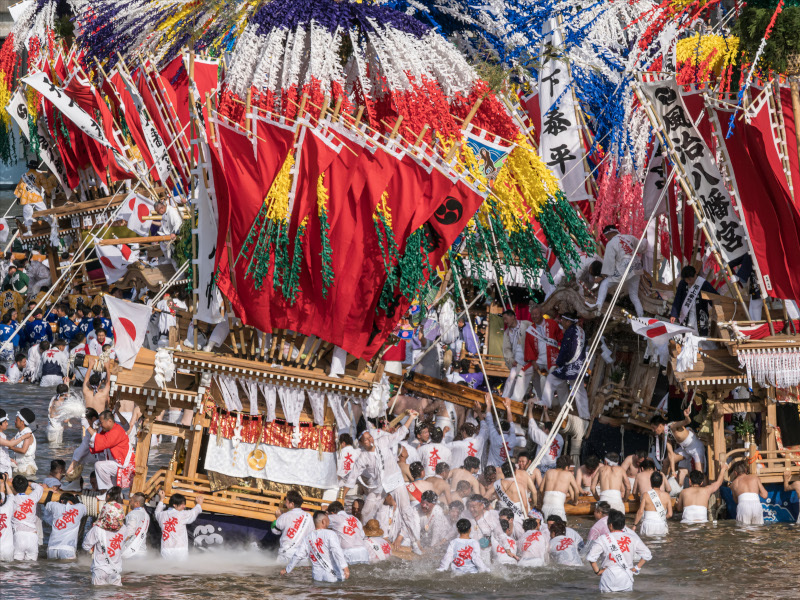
585,473
487,526
693,501
112,443
600,527
641,484
350,532
616,550
528,483
173,521
467,473
434,526
557,484
26,448
440,482
747,493
138,523
463,553
655,507
95,391
508,492
563,549
294,525
613,482
418,484
690,453
325,552
631,465
533,546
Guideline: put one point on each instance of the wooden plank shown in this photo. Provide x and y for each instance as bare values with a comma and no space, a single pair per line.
727,408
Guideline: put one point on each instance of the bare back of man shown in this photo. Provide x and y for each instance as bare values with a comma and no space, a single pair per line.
96,393
747,484
528,483
457,475
583,477
560,480
611,478
440,486
693,501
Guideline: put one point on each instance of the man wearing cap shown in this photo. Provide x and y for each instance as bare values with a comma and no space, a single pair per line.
118,458
620,252
379,548
26,448
568,366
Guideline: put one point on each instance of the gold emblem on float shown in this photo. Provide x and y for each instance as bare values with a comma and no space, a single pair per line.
257,459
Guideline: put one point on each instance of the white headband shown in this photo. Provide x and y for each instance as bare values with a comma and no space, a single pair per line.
2,419
21,418
611,463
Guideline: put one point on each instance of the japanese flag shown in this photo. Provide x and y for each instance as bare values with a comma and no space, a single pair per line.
130,322
3,231
115,260
134,209
660,332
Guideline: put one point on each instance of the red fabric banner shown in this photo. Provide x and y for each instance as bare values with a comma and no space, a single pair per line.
791,141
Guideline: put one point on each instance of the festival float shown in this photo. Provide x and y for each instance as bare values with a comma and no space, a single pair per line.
342,175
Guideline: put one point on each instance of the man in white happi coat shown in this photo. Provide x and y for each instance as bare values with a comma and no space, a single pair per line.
519,378
171,223
351,534
620,252
324,551
293,524
615,551
377,469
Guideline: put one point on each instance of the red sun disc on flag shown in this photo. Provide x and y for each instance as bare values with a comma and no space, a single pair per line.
2,226
132,202
126,251
142,211
128,326
107,262
656,331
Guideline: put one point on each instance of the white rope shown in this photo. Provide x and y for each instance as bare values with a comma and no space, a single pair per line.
597,338
169,283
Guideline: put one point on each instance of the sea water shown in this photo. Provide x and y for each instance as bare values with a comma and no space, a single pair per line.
709,562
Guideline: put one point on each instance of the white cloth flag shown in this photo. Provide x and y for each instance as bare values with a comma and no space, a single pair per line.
560,140
209,304
155,144
130,323
660,332
703,178
17,109
134,209
115,260
3,231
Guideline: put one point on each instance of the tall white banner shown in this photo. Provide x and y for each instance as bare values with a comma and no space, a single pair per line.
704,179
560,140
209,298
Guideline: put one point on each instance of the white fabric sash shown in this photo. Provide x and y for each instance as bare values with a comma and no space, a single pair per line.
662,512
692,294
498,489
579,347
616,554
547,340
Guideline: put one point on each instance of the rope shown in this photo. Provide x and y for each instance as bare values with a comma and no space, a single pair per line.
596,340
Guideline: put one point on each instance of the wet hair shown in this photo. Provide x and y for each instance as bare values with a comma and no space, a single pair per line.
106,415
489,469
442,467
688,271
696,477
596,268
430,496
555,519
114,494
360,502
346,438
616,519
463,485
416,469
656,479
658,420
506,513
294,497
437,435
525,454
612,456
530,524
505,525
44,346
739,467
592,462
563,462
463,526
641,454
456,504
6,318
95,379
58,466
557,528
602,507
476,498
647,464
175,500
506,469
19,357
319,515
335,507
91,414
138,499
67,497
62,388
422,427
472,462
20,484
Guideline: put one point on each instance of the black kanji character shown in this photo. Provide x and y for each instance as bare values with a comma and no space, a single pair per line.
675,118
555,123
727,236
559,155
665,95
715,204
551,79
698,170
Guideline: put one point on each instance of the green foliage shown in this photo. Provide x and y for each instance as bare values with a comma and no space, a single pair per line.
784,40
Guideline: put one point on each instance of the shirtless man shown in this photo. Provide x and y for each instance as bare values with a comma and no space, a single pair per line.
402,462
655,507
463,491
439,482
585,473
789,485
508,493
526,481
467,473
693,501
556,485
688,450
632,463
641,484
747,493
418,485
487,479
613,482
95,394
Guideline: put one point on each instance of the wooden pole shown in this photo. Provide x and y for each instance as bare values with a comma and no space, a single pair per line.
794,89
135,240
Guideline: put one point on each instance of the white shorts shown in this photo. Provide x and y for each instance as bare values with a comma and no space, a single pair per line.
175,553
61,553
106,577
26,545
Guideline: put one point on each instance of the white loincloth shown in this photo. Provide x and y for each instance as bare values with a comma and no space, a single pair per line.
652,524
55,432
553,504
531,562
749,510
694,514
674,487
358,555
614,499
630,482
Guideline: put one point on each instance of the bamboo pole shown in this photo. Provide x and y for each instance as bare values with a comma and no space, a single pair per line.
135,240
